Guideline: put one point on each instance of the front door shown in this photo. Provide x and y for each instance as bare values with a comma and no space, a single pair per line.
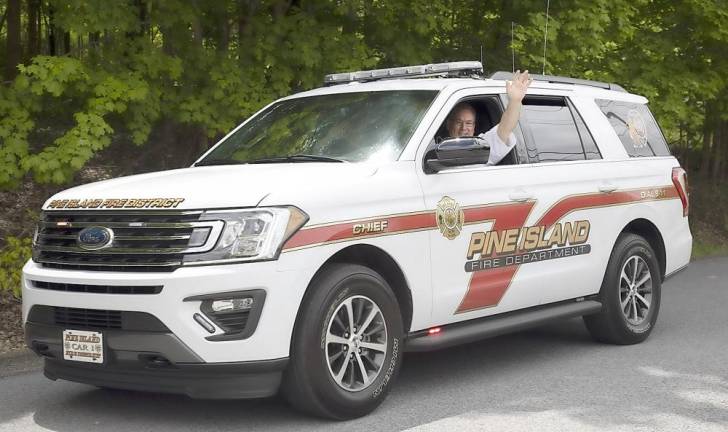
497,248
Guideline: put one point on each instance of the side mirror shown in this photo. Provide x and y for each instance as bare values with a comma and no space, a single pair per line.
457,152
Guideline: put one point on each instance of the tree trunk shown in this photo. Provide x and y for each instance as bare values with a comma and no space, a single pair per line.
725,151
717,159
224,32
14,48
52,48
280,8
720,146
706,151
66,42
33,25
94,40
246,11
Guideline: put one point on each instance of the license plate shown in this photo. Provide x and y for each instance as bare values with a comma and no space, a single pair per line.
83,346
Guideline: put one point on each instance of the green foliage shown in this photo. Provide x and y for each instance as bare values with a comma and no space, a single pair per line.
133,66
103,93
13,256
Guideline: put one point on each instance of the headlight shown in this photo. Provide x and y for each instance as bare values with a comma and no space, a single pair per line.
250,235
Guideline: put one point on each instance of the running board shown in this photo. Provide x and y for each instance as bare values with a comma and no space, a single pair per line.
482,328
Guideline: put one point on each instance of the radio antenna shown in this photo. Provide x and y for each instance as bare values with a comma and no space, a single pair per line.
481,55
546,31
513,52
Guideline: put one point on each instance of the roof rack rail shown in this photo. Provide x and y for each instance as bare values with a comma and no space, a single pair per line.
452,69
503,75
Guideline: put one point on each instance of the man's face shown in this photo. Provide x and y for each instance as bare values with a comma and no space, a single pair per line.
461,123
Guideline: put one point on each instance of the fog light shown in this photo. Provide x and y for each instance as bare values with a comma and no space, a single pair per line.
232,305
236,313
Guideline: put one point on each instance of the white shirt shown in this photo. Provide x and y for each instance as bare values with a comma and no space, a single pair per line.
498,148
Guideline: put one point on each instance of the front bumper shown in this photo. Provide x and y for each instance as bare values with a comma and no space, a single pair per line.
284,290
155,361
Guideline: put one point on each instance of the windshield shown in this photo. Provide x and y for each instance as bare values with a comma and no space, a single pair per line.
351,127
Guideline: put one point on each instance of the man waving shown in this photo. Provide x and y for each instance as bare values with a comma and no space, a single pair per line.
461,121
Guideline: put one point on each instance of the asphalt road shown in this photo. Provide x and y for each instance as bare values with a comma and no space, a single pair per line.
551,378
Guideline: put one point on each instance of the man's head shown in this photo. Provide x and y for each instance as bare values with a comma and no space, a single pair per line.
461,121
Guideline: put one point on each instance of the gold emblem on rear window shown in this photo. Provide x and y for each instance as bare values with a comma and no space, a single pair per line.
637,129
450,217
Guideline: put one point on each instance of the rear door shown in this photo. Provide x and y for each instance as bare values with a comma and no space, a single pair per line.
572,191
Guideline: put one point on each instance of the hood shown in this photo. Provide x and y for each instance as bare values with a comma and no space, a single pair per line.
207,187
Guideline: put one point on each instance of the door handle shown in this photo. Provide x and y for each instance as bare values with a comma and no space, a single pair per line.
520,195
607,187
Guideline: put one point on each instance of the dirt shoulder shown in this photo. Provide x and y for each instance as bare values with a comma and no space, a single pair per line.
11,329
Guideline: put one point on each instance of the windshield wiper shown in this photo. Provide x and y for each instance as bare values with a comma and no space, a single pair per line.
210,162
297,158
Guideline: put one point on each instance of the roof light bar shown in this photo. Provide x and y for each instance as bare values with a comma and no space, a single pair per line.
462,68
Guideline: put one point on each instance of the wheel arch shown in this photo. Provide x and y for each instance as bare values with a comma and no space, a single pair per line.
382,262
650,232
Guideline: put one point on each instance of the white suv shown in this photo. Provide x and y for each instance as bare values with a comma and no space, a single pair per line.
338,228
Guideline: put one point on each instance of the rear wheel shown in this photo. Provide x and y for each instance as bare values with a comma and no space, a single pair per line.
630,294
346,348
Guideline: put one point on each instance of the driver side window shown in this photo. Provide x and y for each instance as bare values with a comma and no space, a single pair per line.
473,117
470,117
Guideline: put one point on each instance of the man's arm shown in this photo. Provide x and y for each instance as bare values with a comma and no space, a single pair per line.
516,90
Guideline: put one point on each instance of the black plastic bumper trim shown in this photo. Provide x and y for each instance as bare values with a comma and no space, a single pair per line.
96,319
121,347
243,380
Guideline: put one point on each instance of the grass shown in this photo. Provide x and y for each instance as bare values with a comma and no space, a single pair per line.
708,217
703,249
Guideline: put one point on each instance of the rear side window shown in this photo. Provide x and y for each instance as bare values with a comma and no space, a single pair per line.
556,130
636,128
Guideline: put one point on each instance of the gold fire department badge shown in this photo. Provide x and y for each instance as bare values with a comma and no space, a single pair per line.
637,129
449,217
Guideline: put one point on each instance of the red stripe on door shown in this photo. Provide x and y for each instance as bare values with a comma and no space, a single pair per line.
487,287
580,202
344,231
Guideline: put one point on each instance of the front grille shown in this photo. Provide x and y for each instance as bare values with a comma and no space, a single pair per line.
142,240
87,318
99,289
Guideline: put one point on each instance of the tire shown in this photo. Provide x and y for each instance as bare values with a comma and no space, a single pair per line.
316,381
629,310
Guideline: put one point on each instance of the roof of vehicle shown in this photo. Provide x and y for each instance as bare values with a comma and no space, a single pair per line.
579,87
453,84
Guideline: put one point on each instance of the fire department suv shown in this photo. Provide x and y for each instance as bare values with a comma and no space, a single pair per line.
341,227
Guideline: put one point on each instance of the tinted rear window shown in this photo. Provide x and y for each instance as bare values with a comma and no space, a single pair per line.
636,128
556,132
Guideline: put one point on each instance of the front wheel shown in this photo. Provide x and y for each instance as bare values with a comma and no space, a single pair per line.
630,294
346,348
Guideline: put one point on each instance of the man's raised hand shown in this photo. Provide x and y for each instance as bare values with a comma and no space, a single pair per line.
516,88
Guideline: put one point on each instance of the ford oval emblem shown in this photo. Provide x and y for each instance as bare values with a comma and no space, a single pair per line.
95,237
